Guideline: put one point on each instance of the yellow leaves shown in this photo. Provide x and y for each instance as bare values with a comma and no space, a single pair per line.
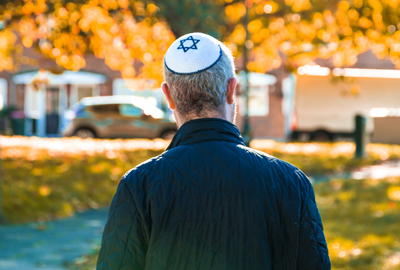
268,7
37,171
377,17
353,14
306,32
358,3
92,15
109,4
123,31
152,9
255,26
239,34
44,190
123,4
265,57
343,6
7,41
67,210
345,55
394,193
373,34
234,12
376,5
346,195
340,247
347,31
27,41
120,42
298,5
260,36
27,8
62,12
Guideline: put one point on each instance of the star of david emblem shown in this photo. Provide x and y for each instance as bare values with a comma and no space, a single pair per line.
192,46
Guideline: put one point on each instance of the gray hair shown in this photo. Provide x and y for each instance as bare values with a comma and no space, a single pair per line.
204,91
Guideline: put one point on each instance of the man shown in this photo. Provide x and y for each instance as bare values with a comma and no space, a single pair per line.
210,202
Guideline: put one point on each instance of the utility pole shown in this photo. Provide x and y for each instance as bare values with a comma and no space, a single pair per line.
246,125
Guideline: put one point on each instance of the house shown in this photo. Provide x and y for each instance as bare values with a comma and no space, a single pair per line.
41,97
272,96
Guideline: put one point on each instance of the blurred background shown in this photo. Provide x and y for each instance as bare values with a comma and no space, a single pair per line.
80,104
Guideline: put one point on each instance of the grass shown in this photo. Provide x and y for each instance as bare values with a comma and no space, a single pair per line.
44,179
361,223
360,219
40,185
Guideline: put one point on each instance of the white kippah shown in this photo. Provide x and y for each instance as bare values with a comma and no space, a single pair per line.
192,53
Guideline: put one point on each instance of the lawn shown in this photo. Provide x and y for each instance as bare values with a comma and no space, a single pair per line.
43,179
361,222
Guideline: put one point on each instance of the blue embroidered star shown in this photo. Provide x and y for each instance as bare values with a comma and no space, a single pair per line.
193,46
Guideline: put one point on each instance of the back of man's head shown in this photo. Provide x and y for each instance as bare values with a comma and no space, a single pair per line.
197,73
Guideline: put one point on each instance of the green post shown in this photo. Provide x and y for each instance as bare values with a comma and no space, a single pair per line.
359,136
1,173
246,125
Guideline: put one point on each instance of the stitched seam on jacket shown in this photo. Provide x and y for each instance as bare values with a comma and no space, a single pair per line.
130,230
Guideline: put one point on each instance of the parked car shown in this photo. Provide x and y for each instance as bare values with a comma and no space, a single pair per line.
117,117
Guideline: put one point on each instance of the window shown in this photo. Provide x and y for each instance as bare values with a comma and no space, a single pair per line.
130,110
3,93
107,108
258,101
52,100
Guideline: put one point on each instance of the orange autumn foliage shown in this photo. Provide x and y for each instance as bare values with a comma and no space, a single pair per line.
290,32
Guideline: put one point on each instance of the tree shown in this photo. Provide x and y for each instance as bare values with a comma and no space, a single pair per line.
120,32
296,32
289,32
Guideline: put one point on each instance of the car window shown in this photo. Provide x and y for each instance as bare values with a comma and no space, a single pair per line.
104,109
130,110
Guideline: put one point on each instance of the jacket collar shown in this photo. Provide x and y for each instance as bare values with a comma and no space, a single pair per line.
206,129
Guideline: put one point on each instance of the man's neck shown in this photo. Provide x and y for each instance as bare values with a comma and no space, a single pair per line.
182,119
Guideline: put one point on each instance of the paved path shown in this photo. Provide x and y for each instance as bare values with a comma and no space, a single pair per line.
47,246
386,169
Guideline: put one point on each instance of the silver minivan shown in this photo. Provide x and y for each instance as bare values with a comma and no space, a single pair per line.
117,117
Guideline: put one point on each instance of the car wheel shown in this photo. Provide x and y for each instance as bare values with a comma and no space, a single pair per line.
168,134
84,133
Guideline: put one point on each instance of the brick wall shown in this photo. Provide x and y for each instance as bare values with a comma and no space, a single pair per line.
270,126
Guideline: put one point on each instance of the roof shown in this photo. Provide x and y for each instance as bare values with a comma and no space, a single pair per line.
67,77
100,100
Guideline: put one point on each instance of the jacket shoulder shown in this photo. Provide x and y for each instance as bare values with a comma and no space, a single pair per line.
155,165
283,167
137,174
276,167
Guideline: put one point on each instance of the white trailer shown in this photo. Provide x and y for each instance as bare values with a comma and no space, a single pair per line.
326,102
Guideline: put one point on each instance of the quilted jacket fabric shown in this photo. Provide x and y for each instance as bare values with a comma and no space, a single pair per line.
210,202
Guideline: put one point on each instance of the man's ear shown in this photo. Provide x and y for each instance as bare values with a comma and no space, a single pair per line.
167,93
230,98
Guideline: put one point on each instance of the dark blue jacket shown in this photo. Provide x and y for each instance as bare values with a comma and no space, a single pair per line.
210,202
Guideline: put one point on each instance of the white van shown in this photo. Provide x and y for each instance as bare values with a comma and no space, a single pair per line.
326,102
